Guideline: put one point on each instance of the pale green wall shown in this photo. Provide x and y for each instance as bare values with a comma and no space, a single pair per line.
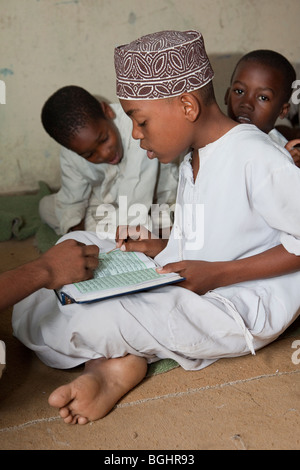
46,44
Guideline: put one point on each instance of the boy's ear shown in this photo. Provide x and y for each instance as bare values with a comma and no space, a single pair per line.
108,111
191,106
226,96
284,110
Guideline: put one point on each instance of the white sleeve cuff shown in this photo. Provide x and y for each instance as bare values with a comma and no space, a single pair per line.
290,243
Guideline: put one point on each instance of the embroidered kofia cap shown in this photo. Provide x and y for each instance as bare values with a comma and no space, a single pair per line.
162,65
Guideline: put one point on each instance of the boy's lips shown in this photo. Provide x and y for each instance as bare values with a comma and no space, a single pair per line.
150,154
115,160
243,119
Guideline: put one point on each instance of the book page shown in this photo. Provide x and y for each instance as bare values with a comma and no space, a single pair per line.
118,269
117,262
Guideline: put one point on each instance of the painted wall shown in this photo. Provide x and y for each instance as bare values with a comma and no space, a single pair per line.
46,44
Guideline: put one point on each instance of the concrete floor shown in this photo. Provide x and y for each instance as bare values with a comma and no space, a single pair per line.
247,403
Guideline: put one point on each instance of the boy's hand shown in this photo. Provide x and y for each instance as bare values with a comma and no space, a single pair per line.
130,238
294,151
201,276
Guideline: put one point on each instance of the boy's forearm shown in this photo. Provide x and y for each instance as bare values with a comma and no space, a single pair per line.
271,263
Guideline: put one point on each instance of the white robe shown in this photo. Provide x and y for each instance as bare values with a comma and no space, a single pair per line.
247,194
277,137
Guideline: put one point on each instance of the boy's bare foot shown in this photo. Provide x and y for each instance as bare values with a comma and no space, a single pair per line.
94,393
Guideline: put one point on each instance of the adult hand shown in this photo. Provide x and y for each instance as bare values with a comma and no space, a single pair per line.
69,261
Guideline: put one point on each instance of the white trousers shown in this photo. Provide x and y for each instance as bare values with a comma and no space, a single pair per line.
167,322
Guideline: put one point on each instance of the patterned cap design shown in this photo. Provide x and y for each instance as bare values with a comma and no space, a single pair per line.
162,65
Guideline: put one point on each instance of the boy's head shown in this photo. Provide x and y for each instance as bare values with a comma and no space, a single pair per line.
78,121
260,89
161,78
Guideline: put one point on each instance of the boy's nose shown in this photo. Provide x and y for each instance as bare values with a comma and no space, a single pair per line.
247,102
136,133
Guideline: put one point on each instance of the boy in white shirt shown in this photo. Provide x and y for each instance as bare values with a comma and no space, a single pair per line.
259,94
100,163
235,239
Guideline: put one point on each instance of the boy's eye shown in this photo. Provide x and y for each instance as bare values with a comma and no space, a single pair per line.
89,155
142,124
104,139
263,98
238,91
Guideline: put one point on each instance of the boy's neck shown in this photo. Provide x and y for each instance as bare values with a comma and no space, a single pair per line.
211,125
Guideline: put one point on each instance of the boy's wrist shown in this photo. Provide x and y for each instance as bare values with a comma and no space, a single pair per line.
231,272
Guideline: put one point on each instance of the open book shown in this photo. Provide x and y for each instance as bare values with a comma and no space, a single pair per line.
118,273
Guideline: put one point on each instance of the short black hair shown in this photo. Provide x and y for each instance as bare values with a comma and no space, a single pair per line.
276,61
69,109
207,93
